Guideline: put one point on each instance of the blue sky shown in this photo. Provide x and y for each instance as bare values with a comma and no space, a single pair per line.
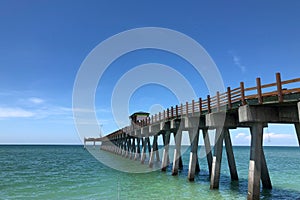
43,43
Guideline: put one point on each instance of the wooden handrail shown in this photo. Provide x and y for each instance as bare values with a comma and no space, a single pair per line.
228,98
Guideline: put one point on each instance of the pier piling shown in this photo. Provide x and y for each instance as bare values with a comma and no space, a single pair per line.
193,163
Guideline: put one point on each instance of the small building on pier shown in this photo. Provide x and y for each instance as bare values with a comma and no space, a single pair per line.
138,117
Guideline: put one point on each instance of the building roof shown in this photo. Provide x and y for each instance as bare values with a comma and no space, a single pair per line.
139,113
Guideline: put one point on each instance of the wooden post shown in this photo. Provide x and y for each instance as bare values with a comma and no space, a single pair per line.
200,106
229,98
172,111
168,116
176,111
279,87
181,110
186,108
259,93
218,101
242,93
193,107
159,116
208,104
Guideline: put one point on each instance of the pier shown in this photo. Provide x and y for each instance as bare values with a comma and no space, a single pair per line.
252,107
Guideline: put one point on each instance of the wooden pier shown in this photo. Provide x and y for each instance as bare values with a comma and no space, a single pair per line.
252,107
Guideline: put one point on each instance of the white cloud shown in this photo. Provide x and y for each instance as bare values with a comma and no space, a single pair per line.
36,100
243,136
6,112
237,61
268,136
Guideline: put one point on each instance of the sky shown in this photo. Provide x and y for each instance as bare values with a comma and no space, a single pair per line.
44,43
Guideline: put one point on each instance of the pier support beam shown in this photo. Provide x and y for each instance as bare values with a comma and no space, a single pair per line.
132,149
217,158
193,164
165,158
177,162
154,152
265,177
143,156
297,127
207,149
137,149
255,161
230,156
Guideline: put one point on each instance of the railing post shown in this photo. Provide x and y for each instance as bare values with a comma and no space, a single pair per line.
259,93
218,101
159,116
181,109
200,105
208,104
279,87
151,119
176,111
164,115
242,93
229,98
193,107
155,117
172,110
186,108
168,113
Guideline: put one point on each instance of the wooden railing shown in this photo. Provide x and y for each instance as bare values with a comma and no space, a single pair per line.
230,99
226,100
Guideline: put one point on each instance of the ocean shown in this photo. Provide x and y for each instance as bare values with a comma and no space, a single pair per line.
71,172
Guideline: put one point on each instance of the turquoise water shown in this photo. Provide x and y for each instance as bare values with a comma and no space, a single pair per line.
71,172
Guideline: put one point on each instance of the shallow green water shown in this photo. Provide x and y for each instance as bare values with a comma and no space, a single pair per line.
71,172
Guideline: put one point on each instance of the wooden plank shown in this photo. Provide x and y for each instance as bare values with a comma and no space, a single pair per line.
249,89
268,85
289,91
290,81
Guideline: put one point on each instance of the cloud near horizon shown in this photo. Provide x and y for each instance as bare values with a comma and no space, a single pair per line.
268,138
7,112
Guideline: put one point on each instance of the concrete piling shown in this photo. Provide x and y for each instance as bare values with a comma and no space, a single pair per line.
165,158
230,156
177,153
207,149
193,163
255,161
217,158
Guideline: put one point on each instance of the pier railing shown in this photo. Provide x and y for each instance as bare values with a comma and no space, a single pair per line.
230,99
276,92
